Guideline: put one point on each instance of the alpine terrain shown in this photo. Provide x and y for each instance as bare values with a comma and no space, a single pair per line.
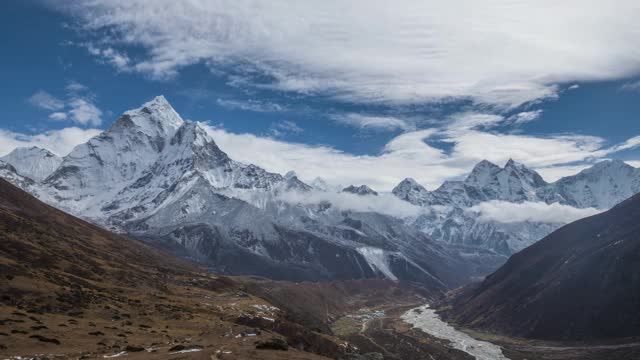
164,180
454,217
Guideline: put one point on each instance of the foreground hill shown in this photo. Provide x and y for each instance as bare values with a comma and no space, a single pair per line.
581,282
71,289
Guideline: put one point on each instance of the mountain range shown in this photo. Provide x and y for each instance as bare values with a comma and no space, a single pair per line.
453,219
164,180
159,178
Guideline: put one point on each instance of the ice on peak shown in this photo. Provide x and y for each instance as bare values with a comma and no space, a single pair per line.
407,185
409,181
607,165
30,149
409,190
485,164
512,163
360,190
33,162
155,117
482,173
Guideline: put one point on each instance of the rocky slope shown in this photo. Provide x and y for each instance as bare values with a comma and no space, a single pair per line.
453,221
581,282
161,179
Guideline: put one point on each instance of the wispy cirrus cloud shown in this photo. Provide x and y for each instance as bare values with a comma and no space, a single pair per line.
631,86
58,115
109,55
525,117
284,127
497,53
44,100
373,122
251,105
78,105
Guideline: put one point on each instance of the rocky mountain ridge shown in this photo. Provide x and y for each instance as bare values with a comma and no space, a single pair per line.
601,186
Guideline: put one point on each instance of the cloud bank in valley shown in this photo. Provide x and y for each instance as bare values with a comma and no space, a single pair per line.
507,212
383,203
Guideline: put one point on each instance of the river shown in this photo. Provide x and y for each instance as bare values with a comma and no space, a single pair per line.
426,319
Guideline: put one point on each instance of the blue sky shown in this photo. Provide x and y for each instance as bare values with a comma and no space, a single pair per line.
346,92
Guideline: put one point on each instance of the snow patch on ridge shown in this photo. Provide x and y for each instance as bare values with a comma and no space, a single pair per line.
377,259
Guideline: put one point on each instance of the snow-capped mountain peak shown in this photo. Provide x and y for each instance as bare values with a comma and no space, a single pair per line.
154,118
33,162
409,190
614,165
360,190
601,186
121,153
483,173
527,175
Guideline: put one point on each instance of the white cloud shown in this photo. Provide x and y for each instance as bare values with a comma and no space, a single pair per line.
525,116
530,150
573,87
78,107
60,142
76,87
498,53
284,127
336,167
383,203
58,115
506,212
111,56
83,111
372,122
44,100
474,120
631,143
251,105
410,155
631,86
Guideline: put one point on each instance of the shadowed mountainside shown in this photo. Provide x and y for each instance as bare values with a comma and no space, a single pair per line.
581,282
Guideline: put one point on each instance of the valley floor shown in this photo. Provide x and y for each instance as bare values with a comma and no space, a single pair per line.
226,322
391,335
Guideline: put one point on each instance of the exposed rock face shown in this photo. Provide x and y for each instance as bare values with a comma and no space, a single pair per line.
580,282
